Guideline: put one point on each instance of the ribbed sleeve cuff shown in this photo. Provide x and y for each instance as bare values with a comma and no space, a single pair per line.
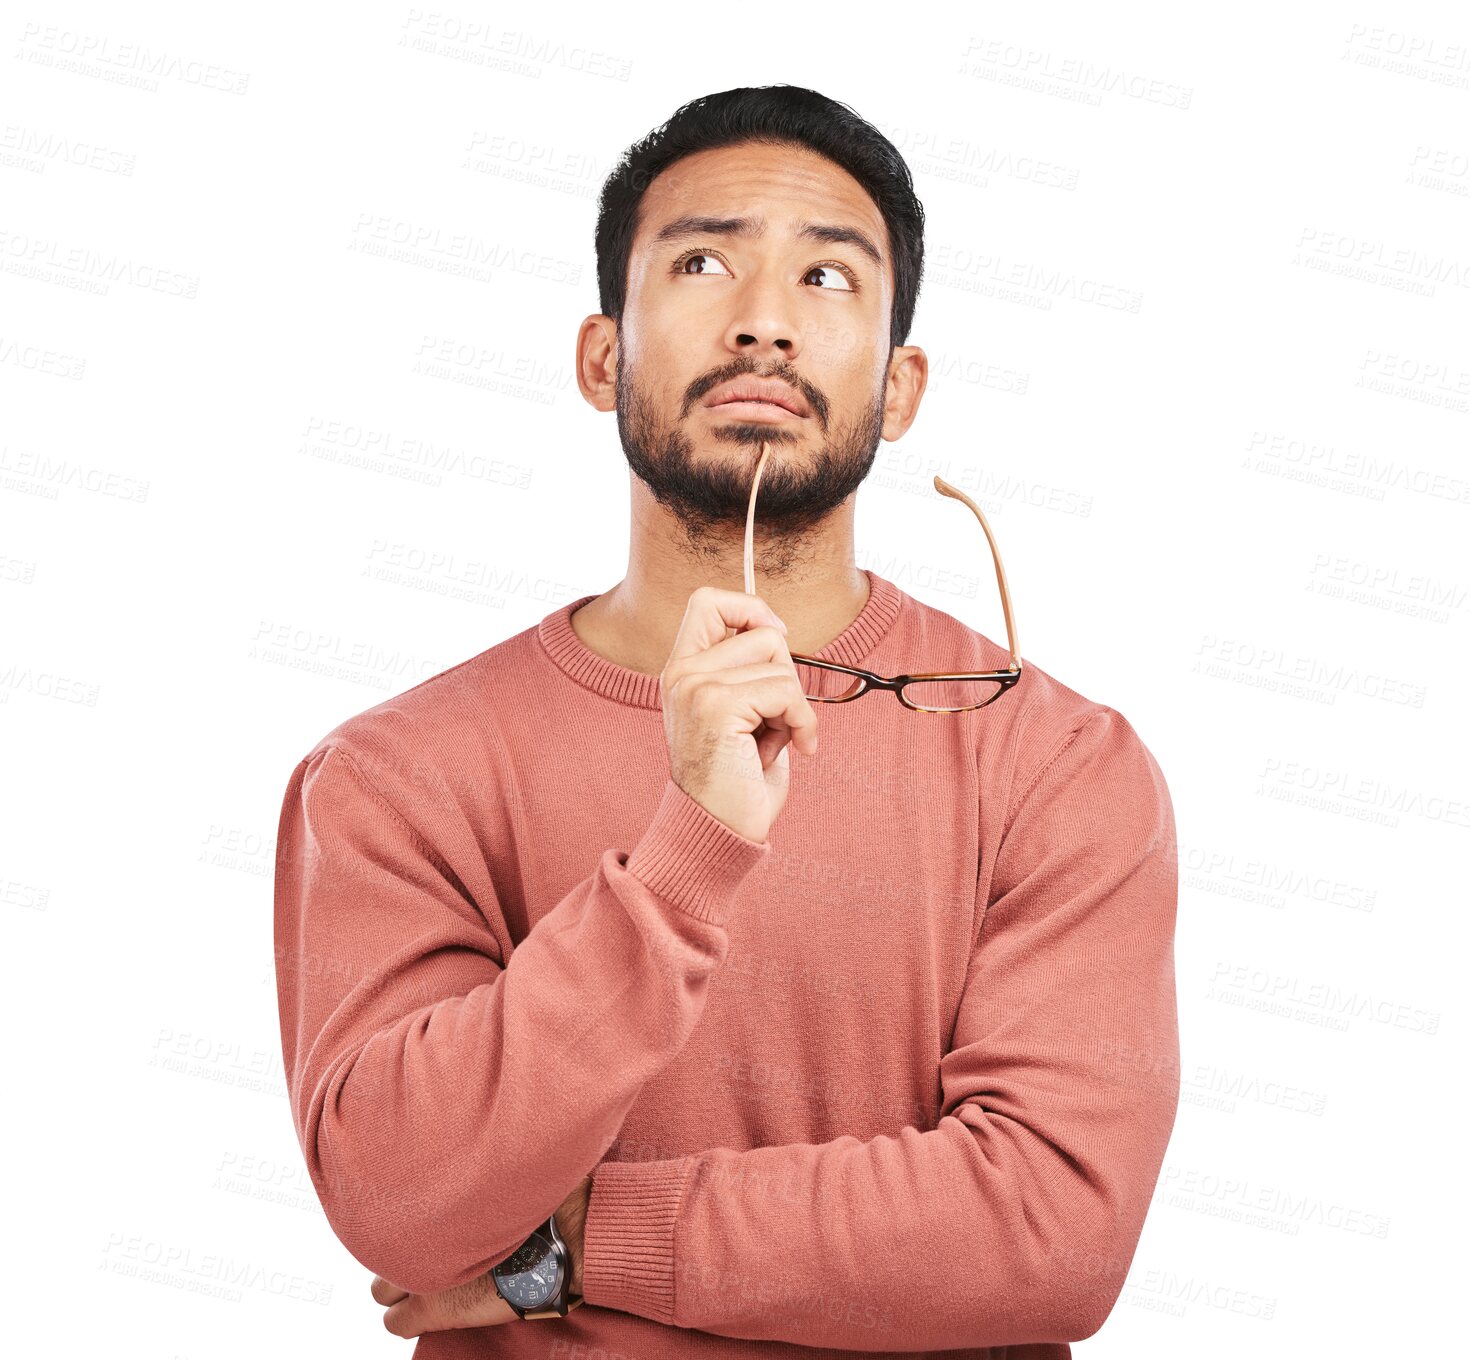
691,858
628,1238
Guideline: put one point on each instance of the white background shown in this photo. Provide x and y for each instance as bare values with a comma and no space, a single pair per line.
1233,508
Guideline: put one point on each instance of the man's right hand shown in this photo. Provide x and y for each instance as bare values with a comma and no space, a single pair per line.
731,704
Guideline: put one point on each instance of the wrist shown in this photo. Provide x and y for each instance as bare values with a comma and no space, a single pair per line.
571,1222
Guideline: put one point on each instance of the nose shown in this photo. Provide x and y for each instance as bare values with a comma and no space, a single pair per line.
763,325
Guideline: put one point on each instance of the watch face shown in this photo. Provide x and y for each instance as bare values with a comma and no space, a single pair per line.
530,1278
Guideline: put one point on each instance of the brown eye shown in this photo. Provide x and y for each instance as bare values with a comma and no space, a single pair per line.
706,259
832,274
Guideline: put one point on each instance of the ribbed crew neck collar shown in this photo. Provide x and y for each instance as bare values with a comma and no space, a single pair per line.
638,690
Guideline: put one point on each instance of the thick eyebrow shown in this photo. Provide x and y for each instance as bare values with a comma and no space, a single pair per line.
694,225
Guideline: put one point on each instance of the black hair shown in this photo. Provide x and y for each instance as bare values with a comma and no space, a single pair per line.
771,114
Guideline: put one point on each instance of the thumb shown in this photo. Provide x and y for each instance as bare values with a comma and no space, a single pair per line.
778,778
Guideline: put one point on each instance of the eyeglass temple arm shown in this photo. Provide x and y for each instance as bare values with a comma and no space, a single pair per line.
750,522
945,489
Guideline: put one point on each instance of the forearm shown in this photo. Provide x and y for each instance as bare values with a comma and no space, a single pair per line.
975,1233
446,1105
431,1144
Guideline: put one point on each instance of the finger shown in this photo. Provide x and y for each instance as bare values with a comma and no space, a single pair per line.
711,612
406,1318
386,1292
763,652
761,643
769,695
778,772
465,1306
770,742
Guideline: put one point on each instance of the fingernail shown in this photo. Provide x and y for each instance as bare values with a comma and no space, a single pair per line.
780,622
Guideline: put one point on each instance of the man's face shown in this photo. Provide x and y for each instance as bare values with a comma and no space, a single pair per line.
709,304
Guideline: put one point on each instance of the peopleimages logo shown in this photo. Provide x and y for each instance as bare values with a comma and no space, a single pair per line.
123,63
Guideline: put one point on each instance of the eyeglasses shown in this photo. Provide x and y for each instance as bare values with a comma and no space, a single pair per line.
828,682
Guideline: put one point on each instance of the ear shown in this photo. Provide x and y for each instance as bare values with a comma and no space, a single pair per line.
908,376
597,361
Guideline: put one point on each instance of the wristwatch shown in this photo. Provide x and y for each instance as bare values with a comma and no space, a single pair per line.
536,1278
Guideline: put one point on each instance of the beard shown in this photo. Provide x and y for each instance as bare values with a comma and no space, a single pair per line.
710,497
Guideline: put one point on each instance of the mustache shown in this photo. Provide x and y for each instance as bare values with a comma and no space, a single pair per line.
785,374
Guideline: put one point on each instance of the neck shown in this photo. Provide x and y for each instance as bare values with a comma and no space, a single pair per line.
811,580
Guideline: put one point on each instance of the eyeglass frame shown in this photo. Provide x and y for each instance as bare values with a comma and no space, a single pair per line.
870,680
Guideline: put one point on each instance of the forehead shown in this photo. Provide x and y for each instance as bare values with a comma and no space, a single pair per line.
785,186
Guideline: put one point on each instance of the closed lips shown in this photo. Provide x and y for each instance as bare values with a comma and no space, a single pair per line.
767,390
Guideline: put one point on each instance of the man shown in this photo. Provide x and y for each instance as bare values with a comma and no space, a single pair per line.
871,1048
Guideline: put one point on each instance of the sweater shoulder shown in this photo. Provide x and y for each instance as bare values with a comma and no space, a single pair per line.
421,743
1019,734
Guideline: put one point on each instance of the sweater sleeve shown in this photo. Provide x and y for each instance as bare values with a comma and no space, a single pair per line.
447,1098
1015,1219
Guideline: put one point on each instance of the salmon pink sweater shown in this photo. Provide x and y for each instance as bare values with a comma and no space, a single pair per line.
897,1080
